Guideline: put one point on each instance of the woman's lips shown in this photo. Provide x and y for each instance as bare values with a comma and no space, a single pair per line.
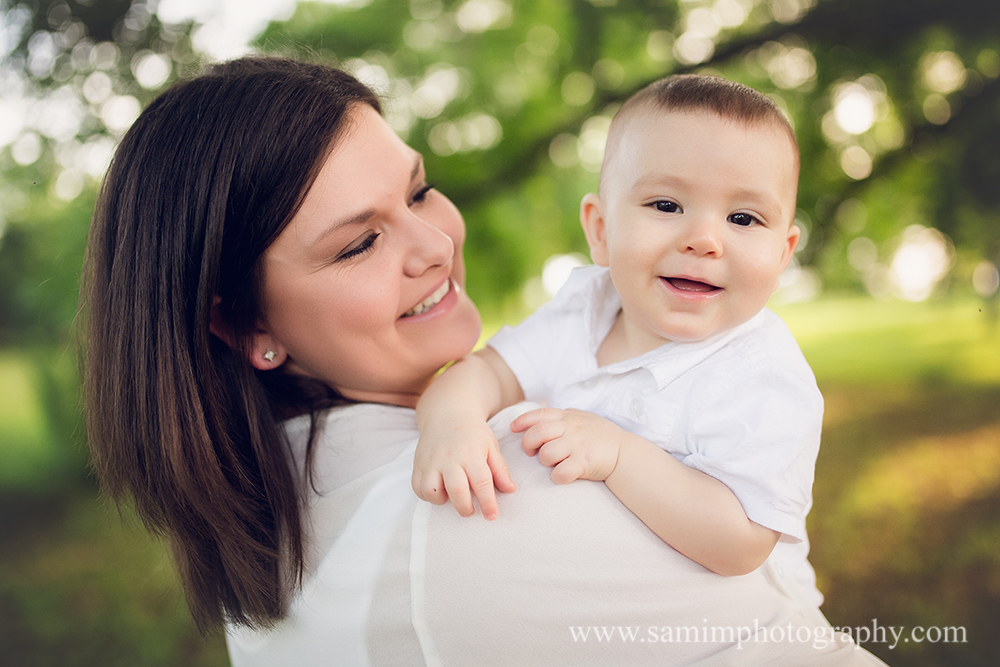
431,300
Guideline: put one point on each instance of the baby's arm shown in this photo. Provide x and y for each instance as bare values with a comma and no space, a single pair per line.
694,513
457,450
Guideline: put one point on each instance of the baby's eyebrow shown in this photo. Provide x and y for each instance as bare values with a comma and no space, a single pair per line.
756,196
660,179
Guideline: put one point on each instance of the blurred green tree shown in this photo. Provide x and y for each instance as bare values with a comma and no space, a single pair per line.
895,103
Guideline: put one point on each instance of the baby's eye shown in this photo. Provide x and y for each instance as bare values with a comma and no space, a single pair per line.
743,219
666,206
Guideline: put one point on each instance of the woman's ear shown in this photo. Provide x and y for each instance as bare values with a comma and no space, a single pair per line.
266,353
216,325
592,221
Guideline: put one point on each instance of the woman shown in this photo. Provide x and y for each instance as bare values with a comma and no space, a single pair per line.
270,284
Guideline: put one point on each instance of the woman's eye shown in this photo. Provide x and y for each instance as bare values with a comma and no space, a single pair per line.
421,194
364,246
743,219
666,206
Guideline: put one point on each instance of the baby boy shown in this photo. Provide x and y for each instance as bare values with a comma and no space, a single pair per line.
664,374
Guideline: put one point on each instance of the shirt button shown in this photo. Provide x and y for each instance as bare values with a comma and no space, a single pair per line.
589,384
637,408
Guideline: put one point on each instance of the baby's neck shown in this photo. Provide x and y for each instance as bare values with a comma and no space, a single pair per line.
618,345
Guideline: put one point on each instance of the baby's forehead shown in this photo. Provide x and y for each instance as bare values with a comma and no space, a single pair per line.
638,130
643,119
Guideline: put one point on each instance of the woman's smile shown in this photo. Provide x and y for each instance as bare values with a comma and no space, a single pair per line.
434,299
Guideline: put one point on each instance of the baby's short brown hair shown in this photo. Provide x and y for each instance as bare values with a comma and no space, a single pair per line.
693,93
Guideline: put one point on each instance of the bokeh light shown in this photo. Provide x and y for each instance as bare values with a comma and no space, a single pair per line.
936,109
798,284
693,47
481,15
986,279
118,112
856,162
151,70
577,89
854,109
660,45
923,258
943,72
556,270
593,136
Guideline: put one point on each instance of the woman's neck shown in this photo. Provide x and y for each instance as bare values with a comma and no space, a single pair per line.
403,399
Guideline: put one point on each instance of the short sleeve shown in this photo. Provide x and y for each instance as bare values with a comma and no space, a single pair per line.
761,438
537,349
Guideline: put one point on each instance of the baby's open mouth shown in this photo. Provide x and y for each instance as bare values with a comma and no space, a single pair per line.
685,285
431,301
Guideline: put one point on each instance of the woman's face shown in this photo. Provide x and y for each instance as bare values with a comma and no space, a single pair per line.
365,287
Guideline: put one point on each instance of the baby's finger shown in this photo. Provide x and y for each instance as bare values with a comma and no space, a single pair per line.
480,477
568,470
531,417
501,473
456,484
481,480
553,452
429,486
541,433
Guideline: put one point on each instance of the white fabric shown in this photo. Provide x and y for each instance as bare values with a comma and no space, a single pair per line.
741,406
394,581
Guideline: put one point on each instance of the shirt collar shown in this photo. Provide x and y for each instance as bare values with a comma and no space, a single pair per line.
667,362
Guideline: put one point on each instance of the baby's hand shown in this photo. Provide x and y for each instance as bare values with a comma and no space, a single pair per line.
456,461
576,444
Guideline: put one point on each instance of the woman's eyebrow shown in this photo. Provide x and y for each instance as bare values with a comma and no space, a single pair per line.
362,216
355,219
418,164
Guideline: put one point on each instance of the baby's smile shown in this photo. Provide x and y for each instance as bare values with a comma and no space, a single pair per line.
690,285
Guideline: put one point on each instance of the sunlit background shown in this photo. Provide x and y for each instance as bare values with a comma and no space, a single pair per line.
893,292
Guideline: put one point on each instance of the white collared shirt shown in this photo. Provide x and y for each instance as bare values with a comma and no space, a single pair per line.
741,406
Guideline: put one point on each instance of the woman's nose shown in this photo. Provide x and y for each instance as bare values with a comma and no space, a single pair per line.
702,237
429,247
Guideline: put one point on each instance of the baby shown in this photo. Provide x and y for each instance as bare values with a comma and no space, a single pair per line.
665,375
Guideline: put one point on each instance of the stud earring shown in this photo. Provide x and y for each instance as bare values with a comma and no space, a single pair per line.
269,355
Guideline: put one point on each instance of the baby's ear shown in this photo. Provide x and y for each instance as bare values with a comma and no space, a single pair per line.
592,221
791,243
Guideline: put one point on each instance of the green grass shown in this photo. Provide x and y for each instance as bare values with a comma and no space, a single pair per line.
905,524
864,340
78,588
27,453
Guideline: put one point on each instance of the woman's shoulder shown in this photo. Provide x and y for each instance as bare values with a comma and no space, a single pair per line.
351,440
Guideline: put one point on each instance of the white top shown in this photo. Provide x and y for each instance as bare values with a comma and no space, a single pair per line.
393,581
741,406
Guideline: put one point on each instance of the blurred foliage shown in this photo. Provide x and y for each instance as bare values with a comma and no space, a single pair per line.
546,76
896,105
509,102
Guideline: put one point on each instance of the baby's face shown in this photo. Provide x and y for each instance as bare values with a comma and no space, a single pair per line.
698,213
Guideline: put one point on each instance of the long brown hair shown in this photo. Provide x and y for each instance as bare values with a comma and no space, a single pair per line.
203,182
